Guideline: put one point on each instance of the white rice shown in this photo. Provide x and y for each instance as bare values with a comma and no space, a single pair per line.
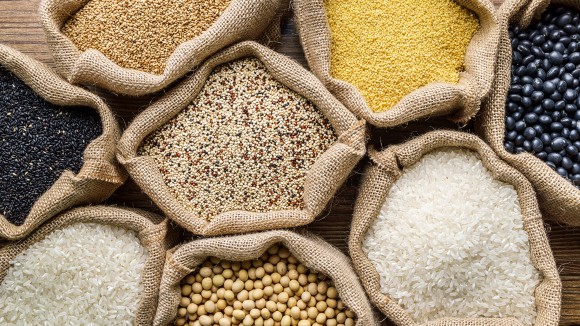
449,242
85,274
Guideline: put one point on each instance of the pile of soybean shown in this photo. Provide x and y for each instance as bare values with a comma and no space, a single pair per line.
274,289
39,141
389,48
542,115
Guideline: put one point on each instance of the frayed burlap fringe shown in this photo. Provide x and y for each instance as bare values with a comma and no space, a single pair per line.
242,20
151,230
388,166
100,174
312,251
322,180
559,199
460,101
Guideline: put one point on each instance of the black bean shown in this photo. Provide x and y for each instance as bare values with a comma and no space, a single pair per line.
560,47
527,101
537,96
538,84
562,86
555,56
555,126
564,20
539,39
545,119
510,123
567,163
548,104
511,135
542,155
509,146
537,145
527,60
559,143
549,87
560,105
555,158
39,141
527,90
553,72
568,79
529,133
520,126
529,119
570,94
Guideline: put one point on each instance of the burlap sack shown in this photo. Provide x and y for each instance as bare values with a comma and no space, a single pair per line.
461,101
312,251
323,179
100,174
388,166
559,199
242,20
151,230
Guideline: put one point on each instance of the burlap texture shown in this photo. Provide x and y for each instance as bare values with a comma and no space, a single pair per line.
380,176
100,174
322,180
312,251
460,101
559,199
242,20
151,230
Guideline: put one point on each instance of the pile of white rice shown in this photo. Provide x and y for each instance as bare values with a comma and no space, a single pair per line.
449,242
83,274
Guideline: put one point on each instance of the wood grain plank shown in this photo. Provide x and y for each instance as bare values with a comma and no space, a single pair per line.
20,28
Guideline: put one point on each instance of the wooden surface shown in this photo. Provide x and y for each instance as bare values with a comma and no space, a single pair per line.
19,28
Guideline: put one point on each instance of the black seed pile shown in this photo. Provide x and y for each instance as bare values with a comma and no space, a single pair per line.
39,141
542,115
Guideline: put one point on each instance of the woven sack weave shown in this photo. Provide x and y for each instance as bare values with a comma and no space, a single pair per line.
242,20
322,180
312,251
99,175
559,199
380,176
461,101
151,231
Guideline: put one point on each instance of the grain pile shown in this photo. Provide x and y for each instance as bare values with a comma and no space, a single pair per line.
245,143
275,289
389,48
449,242
141,35
542,106
39,141
82,274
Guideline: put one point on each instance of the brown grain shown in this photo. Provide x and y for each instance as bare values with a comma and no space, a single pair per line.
141,35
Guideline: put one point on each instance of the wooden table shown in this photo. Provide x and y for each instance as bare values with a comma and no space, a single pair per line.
20,28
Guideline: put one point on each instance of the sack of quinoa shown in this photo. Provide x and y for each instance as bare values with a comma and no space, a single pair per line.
391,62
444,232
140,47
269,278
250,142
532,118
89,265
58,145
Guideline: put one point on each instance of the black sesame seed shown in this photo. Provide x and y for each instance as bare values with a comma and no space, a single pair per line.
39,141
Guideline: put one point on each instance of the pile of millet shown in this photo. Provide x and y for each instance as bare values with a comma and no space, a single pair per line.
141,35
389,48
275,289
245,143
39,141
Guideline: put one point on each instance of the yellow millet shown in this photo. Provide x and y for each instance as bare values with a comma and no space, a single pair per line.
389,48
141,34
